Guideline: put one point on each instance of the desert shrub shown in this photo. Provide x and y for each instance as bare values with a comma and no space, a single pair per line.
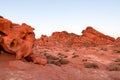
91,65
117,51
104,49
74,55
117,60
114,67
63,61
56,60
84,60
62,55
51,57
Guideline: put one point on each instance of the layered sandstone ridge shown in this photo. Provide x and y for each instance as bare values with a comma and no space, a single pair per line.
96,37
89,37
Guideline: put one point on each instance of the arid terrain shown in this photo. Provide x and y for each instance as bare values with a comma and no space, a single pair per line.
61,56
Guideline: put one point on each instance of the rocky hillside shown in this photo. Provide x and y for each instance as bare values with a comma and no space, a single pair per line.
89,37
61,56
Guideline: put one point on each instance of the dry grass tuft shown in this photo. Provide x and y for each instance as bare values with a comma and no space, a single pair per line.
91,65
114,67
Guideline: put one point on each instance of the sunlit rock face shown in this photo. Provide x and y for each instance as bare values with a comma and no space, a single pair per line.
16,39
89,37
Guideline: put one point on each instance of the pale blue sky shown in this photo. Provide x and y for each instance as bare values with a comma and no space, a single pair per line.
47,16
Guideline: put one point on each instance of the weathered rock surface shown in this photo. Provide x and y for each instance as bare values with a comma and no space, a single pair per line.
16,39
63,55
11,69
89,37
93,36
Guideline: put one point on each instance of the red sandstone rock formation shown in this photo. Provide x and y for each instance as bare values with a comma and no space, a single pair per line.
93,36
90,37
17,39
94,63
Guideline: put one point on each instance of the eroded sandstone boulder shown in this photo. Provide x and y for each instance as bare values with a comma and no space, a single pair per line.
16,39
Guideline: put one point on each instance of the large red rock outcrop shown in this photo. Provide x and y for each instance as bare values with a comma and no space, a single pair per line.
100,62
17,39
60,39
89,37
93,36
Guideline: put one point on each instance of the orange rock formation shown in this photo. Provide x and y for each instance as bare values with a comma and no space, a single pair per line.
89,37
16,39
19,39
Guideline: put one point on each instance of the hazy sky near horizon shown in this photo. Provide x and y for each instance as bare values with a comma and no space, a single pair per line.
47,16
